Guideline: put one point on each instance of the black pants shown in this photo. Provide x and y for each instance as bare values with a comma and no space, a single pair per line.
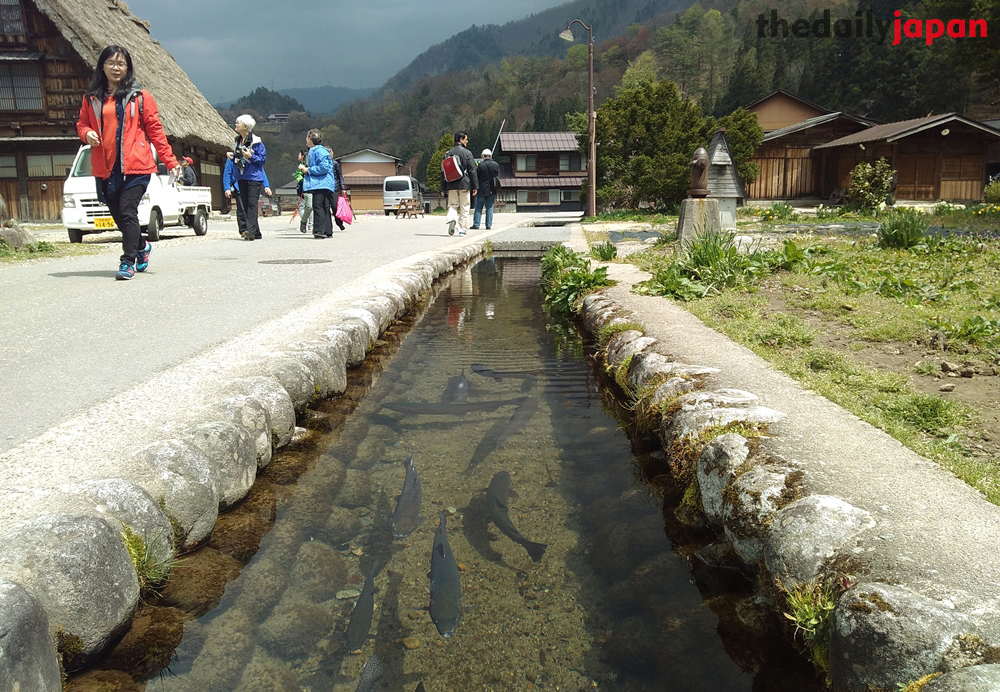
248,198
124,208
323,213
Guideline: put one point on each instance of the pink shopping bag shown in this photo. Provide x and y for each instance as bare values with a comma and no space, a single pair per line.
344,211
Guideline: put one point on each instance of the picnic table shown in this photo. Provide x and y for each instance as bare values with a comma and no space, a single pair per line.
409,207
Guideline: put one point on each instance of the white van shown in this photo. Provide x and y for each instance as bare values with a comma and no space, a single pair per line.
164,203
399,187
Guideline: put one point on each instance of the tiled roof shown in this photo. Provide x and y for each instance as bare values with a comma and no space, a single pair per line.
890,132
363,180
543,181
512,142
812,122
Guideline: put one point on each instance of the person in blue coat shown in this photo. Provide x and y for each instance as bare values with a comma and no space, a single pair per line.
231,186
249,155
319,180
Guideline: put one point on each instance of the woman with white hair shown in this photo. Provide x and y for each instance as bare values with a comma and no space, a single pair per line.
248,155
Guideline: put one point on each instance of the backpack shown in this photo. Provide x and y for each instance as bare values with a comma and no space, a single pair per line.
452,168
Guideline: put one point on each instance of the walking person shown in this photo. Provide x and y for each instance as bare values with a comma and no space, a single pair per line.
249,155
488,174
118,119
232,189
460,191
318,180
305,207
340,189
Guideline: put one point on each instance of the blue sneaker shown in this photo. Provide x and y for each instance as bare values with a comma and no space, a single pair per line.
125,272
142,259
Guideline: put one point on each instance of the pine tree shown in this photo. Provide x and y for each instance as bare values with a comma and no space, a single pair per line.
433,181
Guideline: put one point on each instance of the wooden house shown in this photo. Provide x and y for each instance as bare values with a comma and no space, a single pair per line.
364,172
48,52
780,109
540,171
789,168
940,157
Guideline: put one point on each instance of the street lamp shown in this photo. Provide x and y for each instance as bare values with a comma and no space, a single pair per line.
591,117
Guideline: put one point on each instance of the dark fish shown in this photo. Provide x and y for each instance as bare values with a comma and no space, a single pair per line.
420,687
361,618
446,583
434,408
373,670
503,429
457,388
407,515
496,503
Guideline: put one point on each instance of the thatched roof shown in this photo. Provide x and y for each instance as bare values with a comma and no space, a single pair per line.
91,25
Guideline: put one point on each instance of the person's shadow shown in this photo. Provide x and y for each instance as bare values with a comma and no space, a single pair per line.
104,274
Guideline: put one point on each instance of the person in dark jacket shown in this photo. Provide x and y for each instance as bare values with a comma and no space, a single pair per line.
249,171
188,177
488,173
119,120
231,186
461,191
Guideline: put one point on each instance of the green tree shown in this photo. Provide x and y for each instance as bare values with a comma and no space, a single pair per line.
647,136
577,56
744,135
433,181
643,70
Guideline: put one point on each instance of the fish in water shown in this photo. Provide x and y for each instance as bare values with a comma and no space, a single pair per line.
457,388
373,670
496,504
449,408
446,583
420,687
361,617
406,518
503,429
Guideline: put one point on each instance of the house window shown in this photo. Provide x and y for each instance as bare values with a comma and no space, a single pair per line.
538,196
8,167
572,162
210,169
527,162
20,87
961,168
11,22
570,195
49,165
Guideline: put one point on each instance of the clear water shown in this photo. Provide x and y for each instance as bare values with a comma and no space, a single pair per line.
610,606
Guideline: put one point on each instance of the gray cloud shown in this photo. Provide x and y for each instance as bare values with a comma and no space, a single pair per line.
229,49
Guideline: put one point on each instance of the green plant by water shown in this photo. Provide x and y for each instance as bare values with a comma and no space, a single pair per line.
567,279
605,251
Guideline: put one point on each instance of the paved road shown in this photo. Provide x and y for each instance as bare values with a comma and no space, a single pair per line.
71,336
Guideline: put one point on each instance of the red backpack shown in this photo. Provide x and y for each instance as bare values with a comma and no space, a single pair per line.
452,167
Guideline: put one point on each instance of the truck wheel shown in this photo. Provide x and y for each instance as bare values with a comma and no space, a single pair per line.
200,224
388,211
75,235
155,226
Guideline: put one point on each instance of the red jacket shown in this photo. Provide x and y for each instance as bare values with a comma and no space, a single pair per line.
137,138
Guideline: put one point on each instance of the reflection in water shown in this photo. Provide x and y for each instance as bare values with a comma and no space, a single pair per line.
609,605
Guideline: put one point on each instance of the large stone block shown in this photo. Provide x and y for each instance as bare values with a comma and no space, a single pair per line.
187,488
233,454
716,469
276,402
28,659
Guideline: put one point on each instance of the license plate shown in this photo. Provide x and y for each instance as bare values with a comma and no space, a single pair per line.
104,222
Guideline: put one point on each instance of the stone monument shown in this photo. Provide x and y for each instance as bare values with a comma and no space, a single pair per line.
699,213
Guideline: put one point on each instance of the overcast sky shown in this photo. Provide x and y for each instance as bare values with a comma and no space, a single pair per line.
230,49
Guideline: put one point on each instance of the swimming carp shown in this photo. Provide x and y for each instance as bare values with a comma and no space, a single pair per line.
406,518
496,504
446,583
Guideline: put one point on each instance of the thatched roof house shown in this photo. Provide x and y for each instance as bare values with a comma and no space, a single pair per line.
49,51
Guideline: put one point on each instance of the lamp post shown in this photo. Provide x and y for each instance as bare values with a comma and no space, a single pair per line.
591,117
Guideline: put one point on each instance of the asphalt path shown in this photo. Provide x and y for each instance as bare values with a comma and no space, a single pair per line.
72,336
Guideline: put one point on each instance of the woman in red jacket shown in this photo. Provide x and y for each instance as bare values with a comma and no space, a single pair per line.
119,120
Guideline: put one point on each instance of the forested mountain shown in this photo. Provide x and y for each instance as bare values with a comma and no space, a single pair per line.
537,35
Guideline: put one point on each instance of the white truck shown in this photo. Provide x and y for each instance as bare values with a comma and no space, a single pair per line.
164,204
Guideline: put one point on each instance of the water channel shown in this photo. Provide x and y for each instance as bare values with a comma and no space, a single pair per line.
611,605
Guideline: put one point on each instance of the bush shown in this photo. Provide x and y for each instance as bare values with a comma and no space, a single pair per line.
779,211
870,185
567,279
991,193
902,229
605,251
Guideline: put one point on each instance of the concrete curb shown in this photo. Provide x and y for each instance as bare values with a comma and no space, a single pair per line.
921,547
182,446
